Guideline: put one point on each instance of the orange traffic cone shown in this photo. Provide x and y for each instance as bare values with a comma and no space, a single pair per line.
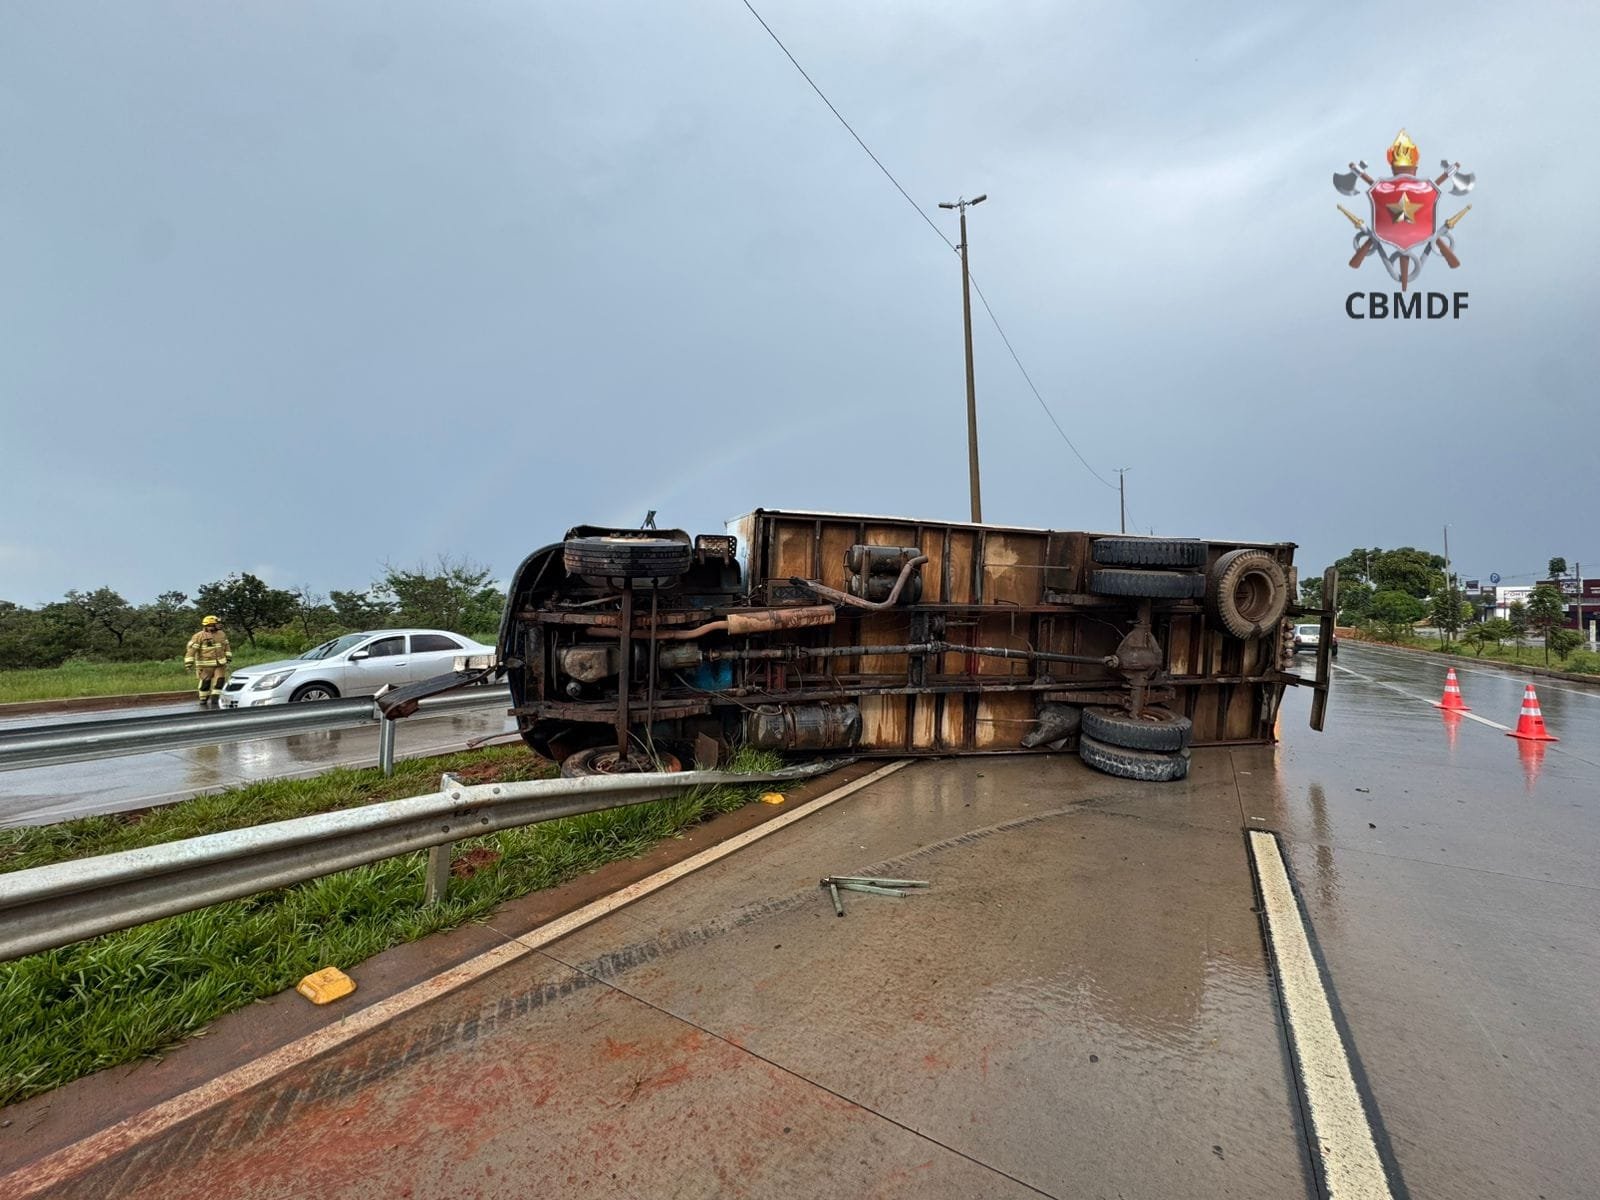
1452,701
1530,722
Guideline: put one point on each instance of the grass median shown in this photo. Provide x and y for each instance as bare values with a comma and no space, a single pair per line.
110,679
68,1012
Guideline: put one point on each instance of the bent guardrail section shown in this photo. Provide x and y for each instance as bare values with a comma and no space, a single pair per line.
45,907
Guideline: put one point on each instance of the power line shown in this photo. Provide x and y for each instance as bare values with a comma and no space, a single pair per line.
887,174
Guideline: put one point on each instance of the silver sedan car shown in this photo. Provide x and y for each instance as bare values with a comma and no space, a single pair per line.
357,664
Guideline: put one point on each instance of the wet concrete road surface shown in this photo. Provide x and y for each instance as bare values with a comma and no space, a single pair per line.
41,795
1080,1006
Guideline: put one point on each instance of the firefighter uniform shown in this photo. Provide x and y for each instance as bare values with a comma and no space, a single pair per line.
208,654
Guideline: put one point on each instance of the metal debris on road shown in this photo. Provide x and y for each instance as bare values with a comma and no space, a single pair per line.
871,884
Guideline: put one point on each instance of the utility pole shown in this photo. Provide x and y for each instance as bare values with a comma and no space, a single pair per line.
966,326
1122,495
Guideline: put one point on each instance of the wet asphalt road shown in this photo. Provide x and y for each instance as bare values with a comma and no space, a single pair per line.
42,795
1080,1006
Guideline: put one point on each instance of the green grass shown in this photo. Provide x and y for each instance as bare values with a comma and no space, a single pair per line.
1579,662
68,1012
80,678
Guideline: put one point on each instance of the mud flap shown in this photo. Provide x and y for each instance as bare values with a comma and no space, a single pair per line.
1330,612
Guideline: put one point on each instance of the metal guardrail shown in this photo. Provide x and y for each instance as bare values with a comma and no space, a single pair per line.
80,741
66,902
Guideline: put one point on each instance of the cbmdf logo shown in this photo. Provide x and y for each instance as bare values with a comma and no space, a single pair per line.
1405,228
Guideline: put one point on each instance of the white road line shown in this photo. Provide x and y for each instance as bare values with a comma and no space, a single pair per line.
1351,1167
1422,699
73,1160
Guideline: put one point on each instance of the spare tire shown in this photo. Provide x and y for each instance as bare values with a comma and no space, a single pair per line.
1148,585
619,556
1247,592
1153,729
1143,765
1149,552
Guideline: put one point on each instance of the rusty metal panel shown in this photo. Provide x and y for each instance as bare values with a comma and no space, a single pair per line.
963,550
1002,720
1243,710
924,726
954,728
1180,645
882,629
792,550
1206,715
1012,569
883,722
836,539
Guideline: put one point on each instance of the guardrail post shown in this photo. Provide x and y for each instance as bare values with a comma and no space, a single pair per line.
386,746
436,885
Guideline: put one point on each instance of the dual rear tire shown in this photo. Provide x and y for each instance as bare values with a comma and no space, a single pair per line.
1151,746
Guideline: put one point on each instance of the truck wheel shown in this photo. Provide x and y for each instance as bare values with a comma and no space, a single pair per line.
620,557
604,760
1247,591
1153,729
1148,585
1144,765
1149,552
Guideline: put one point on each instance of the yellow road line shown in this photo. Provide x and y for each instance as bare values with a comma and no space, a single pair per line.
1341,1130
72,1160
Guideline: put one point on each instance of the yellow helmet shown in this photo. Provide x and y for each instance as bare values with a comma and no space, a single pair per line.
211,620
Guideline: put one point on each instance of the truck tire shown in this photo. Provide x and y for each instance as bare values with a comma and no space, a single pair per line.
1144,765
603,760
1153,729
1247,592
1148,585
621,557
1149,552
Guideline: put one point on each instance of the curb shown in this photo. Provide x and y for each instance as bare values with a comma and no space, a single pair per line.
23,708
1510,668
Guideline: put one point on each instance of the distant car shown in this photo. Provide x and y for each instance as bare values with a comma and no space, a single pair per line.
1309,637
357,664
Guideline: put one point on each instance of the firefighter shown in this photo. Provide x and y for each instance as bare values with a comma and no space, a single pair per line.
208,655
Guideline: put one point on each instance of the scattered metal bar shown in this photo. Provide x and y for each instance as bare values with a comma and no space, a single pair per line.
66,902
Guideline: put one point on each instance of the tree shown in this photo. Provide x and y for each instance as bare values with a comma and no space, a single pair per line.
169,614
1449,612
311,612
1495,630
1547,612
458,595
1357,565
1396,613
104,609
1563,642
1416,572
1517,618
360,610
247,603
1558,567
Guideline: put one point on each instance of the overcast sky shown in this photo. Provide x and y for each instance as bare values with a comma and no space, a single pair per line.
301,288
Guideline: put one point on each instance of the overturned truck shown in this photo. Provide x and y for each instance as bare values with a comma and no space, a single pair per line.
637,650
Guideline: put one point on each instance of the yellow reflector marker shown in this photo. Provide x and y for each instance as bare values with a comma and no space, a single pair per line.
328,984
772,798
